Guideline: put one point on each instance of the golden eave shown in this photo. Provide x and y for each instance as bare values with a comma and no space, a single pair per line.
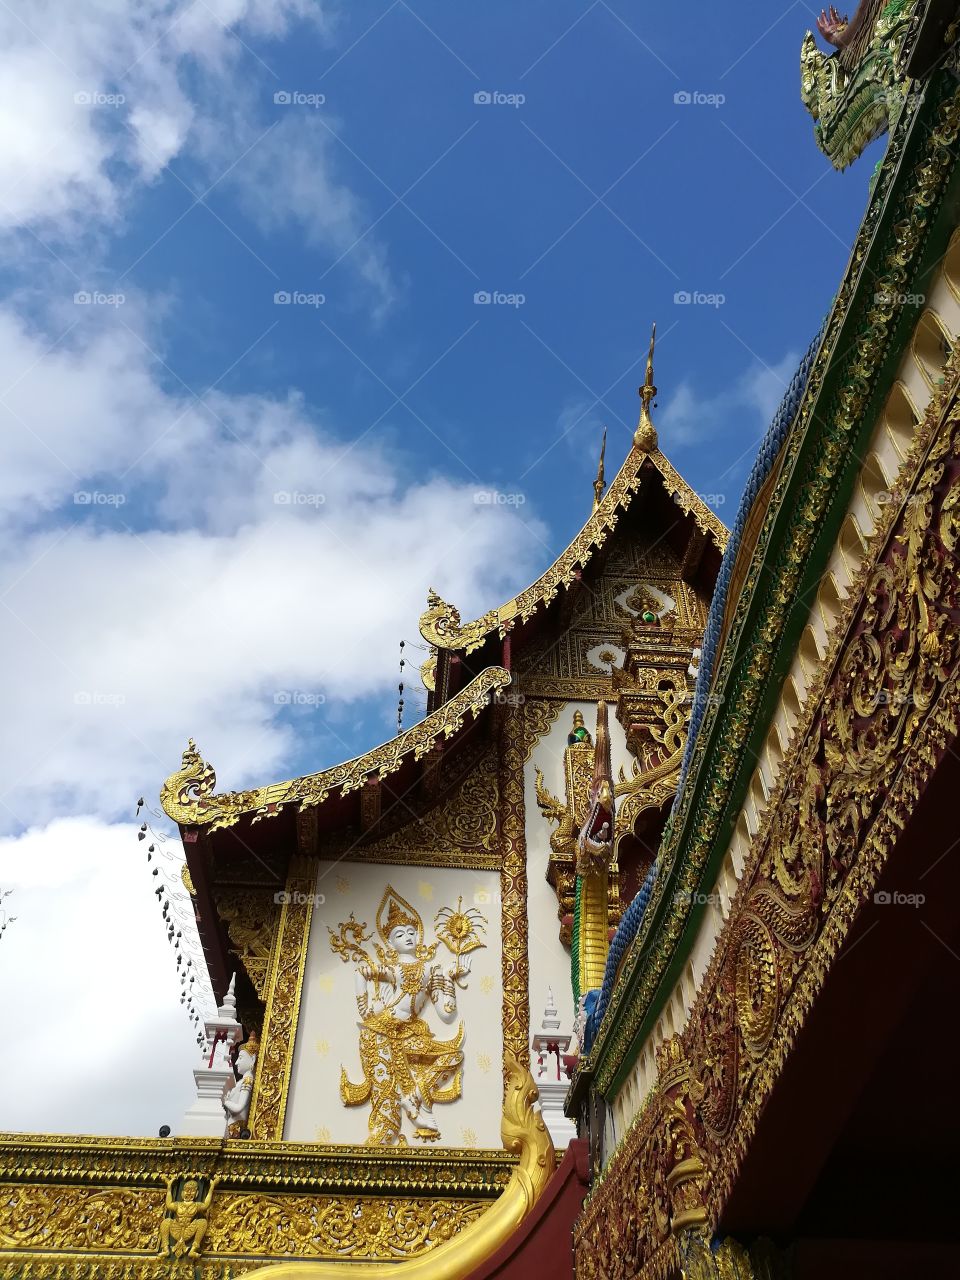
188,797
440,625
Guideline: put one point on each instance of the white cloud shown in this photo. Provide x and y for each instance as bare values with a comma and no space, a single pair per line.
97,1041
191,595
288,180
251,551
99,98
691,417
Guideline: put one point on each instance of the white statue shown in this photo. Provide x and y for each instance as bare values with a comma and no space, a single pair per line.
215,1075
236,1101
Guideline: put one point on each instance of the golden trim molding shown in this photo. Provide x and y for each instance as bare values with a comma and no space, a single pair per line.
275,1061
440,624
524,1133
188,796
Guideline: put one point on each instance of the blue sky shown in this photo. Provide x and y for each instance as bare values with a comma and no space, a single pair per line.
598,198
221,513
732,199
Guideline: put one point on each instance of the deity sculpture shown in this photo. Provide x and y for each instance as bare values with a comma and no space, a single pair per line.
406,1069
236,1101
183,1234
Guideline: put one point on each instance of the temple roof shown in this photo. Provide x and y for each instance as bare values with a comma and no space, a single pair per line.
188,797
440,624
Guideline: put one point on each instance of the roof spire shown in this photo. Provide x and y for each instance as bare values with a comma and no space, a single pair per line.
645,436
600,483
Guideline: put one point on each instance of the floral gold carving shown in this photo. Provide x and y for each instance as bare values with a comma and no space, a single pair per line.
461,831
269,1101
384,1228
251,917
84,1217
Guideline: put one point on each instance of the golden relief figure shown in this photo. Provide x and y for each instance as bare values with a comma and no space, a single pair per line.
406,1069
182,1233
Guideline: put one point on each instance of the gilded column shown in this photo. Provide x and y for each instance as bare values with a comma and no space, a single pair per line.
513,885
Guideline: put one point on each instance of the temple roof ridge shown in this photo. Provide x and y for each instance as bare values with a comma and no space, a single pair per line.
440,623
188,796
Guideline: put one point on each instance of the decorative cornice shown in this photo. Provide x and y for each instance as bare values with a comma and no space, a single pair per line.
187,795
525,1134
304,1166
440,625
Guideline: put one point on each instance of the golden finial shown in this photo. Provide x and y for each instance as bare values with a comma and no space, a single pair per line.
600,483
645,436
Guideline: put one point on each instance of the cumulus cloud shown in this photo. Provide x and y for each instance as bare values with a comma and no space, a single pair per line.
100,98
96,95
97,1041
183,573
169,563
690,416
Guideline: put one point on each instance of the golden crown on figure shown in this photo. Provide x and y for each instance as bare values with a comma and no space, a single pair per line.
395,911
397,916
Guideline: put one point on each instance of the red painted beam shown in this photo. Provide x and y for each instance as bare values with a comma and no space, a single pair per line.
543,1244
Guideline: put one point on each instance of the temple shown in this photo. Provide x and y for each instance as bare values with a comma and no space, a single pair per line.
624,961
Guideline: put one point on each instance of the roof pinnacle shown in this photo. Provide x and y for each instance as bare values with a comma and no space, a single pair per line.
645,436
600,483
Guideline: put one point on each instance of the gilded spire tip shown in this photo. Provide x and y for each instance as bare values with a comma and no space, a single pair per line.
645,436
600,483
